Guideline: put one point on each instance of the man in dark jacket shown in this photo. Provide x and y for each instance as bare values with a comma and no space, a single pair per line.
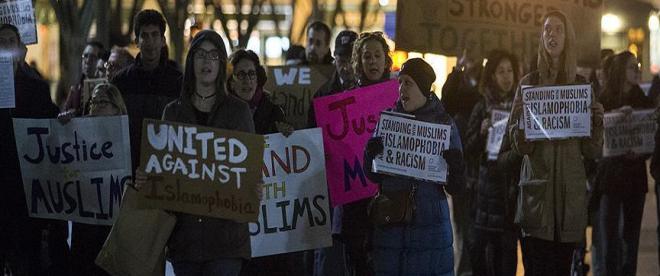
318,44
152,81
28,246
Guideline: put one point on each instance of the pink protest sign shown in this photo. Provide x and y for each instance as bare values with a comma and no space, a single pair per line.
348,120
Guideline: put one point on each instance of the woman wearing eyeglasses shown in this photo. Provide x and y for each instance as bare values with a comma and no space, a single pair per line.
203,245
621,181
246,83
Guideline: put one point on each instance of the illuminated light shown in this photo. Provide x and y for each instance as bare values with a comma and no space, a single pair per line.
439,65
273,47
633,49
383,3
254,44
398,58
654,22
611,23
415,55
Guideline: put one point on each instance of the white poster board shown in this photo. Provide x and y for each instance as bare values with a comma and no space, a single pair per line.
295,210
498,120
20,14
557,112
629,133
75,171
412,148
7,91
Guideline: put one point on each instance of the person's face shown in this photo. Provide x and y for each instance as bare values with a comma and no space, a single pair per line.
344,68
373,60
409,94
100,69
503,76
632,71
9,44
317,46
101,105
150,42
112,66
90,58
206,63
554,36
245,79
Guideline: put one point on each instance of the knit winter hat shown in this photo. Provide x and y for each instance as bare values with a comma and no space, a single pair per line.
421,72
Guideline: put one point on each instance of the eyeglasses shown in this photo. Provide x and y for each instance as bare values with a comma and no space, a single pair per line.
209,55
241,75
101,103
88,56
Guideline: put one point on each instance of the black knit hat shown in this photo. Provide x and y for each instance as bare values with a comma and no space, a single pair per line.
421,72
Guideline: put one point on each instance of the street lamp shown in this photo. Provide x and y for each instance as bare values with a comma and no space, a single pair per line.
611,23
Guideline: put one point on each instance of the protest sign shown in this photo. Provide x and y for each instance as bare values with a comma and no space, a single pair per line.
295,213
448,26
74,171
412,148
200,170
557,112
348,120
624,133
7,92
20,14
88,88
498,120
293,87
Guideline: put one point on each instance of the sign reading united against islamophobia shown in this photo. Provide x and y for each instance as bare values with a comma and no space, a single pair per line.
292,88
557,112
498,120
629,133
449,26
74,171
412,148
200,170
295,209
20,14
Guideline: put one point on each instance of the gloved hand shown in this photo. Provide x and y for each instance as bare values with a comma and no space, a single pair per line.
374,147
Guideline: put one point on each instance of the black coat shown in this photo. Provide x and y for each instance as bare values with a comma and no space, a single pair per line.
330,87
619,175
146,93
266,114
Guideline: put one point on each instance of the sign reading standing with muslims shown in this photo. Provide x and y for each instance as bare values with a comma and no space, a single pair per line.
557,112
629,133
74,171
498,120
20,14
348,120
202,171
412,148
295,213
293,87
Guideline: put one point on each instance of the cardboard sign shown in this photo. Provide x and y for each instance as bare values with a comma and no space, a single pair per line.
635,133
295,213
88,88
293,87
557,112
7,92
448,27
412,148
348,121
74,171
20,14
498,120
200,170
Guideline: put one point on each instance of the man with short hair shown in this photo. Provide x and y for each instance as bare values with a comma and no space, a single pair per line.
119,59
90,57
152,81
318,44
22,238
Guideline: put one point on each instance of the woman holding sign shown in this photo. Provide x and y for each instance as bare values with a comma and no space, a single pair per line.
621,181
552,210
423,245
204,245
494,251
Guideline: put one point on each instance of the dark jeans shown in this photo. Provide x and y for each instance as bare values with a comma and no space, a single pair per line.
219,267
357,261
541,257
494,253
616,234
86,243
275,265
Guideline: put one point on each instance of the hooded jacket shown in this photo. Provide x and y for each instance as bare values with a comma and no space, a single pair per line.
198,238
552,203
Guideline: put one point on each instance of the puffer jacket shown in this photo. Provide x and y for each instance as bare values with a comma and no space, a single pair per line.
493,195
425,246
552,202
199,238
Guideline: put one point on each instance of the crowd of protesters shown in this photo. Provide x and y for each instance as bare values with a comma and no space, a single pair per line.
497,203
